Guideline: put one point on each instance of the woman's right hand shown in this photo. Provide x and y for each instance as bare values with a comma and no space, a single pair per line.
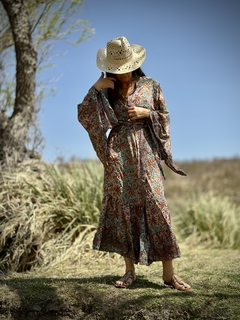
104,83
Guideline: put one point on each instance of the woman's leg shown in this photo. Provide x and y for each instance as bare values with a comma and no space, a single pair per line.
168,270
129,265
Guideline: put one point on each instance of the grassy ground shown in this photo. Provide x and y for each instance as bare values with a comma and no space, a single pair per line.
47,220
84,290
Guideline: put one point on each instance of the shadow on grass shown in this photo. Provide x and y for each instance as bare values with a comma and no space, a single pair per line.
77,298
97,298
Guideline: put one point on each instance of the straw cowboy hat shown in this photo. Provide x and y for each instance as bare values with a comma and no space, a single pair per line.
120,57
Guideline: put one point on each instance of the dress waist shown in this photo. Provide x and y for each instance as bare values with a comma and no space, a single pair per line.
128,122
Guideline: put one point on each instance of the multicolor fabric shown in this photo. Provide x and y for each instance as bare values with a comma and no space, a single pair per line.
135,220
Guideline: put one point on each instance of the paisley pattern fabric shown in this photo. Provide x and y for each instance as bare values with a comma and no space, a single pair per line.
135,220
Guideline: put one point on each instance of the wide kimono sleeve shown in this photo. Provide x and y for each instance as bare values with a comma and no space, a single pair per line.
159,124
96,116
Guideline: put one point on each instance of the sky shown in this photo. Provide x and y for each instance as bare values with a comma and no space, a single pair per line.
192,50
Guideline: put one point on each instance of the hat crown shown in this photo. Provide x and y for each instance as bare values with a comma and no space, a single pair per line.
119,50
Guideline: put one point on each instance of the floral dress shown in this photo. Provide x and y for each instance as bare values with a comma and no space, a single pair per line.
135,220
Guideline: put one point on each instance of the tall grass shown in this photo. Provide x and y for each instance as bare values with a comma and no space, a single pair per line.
208,219
49,213
45,210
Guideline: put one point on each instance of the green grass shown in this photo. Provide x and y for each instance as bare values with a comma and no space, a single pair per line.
85,291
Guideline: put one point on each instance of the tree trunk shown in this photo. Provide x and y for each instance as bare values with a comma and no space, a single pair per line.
15,128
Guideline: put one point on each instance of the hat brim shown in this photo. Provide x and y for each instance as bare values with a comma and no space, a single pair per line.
137,59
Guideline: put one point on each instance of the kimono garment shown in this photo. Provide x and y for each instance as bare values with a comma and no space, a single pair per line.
135,220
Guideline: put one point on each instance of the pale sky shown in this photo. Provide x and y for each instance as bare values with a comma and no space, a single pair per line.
193,50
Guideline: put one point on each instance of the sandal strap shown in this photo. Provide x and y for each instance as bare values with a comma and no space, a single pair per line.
126,277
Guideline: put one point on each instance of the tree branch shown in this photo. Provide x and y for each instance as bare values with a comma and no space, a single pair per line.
40,17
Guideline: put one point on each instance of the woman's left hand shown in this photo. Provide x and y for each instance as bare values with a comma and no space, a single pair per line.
135,113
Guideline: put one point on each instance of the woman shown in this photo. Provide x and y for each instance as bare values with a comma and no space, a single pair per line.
135,220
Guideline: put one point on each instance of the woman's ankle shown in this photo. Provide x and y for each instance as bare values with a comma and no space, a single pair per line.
168,270
129,265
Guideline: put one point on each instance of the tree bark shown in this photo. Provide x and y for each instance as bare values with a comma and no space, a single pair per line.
14,134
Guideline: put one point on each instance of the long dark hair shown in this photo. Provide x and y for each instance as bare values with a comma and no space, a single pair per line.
113,94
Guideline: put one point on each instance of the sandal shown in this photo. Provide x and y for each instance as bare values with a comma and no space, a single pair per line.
127,280
177,283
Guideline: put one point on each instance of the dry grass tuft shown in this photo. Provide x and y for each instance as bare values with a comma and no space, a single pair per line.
46,211
209,220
